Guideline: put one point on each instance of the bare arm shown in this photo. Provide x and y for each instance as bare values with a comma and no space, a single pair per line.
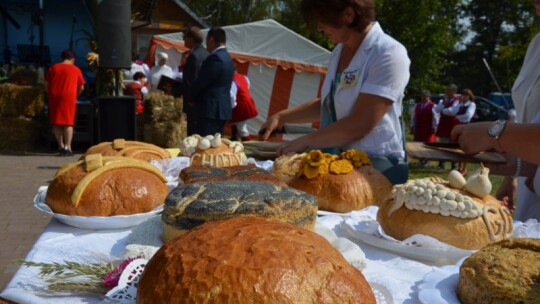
363,118
309,111
80,89
521,140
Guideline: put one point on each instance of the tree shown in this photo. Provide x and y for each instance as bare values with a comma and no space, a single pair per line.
427,28
222,13
500,37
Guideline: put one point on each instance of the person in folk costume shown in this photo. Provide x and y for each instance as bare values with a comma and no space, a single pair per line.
244,109
138,89
424,121
447,109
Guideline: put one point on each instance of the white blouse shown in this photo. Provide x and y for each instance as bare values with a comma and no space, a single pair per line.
380,67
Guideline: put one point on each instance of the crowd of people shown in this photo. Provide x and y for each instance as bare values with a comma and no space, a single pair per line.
360,105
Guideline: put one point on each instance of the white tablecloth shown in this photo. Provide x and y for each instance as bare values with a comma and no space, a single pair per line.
398,275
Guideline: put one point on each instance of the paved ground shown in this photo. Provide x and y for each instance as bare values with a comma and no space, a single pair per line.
20,223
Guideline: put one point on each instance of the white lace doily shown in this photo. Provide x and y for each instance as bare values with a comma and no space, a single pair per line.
126,290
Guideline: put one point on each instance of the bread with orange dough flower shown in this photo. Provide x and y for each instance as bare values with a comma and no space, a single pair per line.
342,183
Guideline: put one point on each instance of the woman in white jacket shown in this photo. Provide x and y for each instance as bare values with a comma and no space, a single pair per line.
362,93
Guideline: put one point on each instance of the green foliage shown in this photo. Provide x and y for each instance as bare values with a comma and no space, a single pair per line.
427,29
502,31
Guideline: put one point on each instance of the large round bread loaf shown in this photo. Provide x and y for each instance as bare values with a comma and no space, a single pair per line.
116,186
504,272
463,221
191,205
360,188
135,149
251,260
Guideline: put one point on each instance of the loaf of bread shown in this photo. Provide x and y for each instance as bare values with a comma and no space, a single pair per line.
341,183
106,185
504,272
191,205
431,207
194,174
212,150
251,260
286,167
135,149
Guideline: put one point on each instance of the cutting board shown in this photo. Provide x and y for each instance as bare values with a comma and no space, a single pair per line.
420,151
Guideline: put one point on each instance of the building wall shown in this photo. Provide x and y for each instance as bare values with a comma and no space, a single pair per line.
58,18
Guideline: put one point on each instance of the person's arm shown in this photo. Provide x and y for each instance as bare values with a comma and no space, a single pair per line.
307,112
435,120
521,140
438,107
452,110
468,115
80,89
363,118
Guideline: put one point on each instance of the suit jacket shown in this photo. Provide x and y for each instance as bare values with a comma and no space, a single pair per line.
211,90
190,71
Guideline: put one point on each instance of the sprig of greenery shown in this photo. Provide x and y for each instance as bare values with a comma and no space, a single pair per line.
70,276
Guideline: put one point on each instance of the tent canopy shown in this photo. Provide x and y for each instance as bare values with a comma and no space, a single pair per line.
284,68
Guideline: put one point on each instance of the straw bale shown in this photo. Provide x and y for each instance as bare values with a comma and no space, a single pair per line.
165,134
21,134
16,101
160,108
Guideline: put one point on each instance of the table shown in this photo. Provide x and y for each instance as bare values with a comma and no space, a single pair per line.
59,242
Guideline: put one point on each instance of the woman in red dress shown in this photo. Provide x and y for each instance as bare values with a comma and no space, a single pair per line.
424,123
63,82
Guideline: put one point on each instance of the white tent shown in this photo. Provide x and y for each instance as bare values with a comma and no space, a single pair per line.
284,68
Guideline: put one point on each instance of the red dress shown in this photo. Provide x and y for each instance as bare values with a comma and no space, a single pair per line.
423,122
245,106
63,82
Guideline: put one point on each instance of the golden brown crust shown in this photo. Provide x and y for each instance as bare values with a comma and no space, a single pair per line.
251,260
343,193
120,191
504,272
464,233
194,174
222,156
135,149
286,167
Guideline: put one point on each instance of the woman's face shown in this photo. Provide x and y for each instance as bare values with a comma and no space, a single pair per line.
537,7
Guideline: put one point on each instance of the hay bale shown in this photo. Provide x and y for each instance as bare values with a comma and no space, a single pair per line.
21,134
16,101
164,123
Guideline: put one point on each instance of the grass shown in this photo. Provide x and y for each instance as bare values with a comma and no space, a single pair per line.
416,171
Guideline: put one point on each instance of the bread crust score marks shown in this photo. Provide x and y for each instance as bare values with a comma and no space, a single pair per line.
96,164
212,150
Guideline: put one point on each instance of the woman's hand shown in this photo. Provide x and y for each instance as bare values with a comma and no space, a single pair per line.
273,123
472,138
298,145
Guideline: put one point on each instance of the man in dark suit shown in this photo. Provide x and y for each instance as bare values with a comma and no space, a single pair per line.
211,89
192,40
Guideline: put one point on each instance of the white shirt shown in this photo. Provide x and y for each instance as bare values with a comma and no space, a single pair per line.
155,75
526,88
468,115
380,67
526,97
449,111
